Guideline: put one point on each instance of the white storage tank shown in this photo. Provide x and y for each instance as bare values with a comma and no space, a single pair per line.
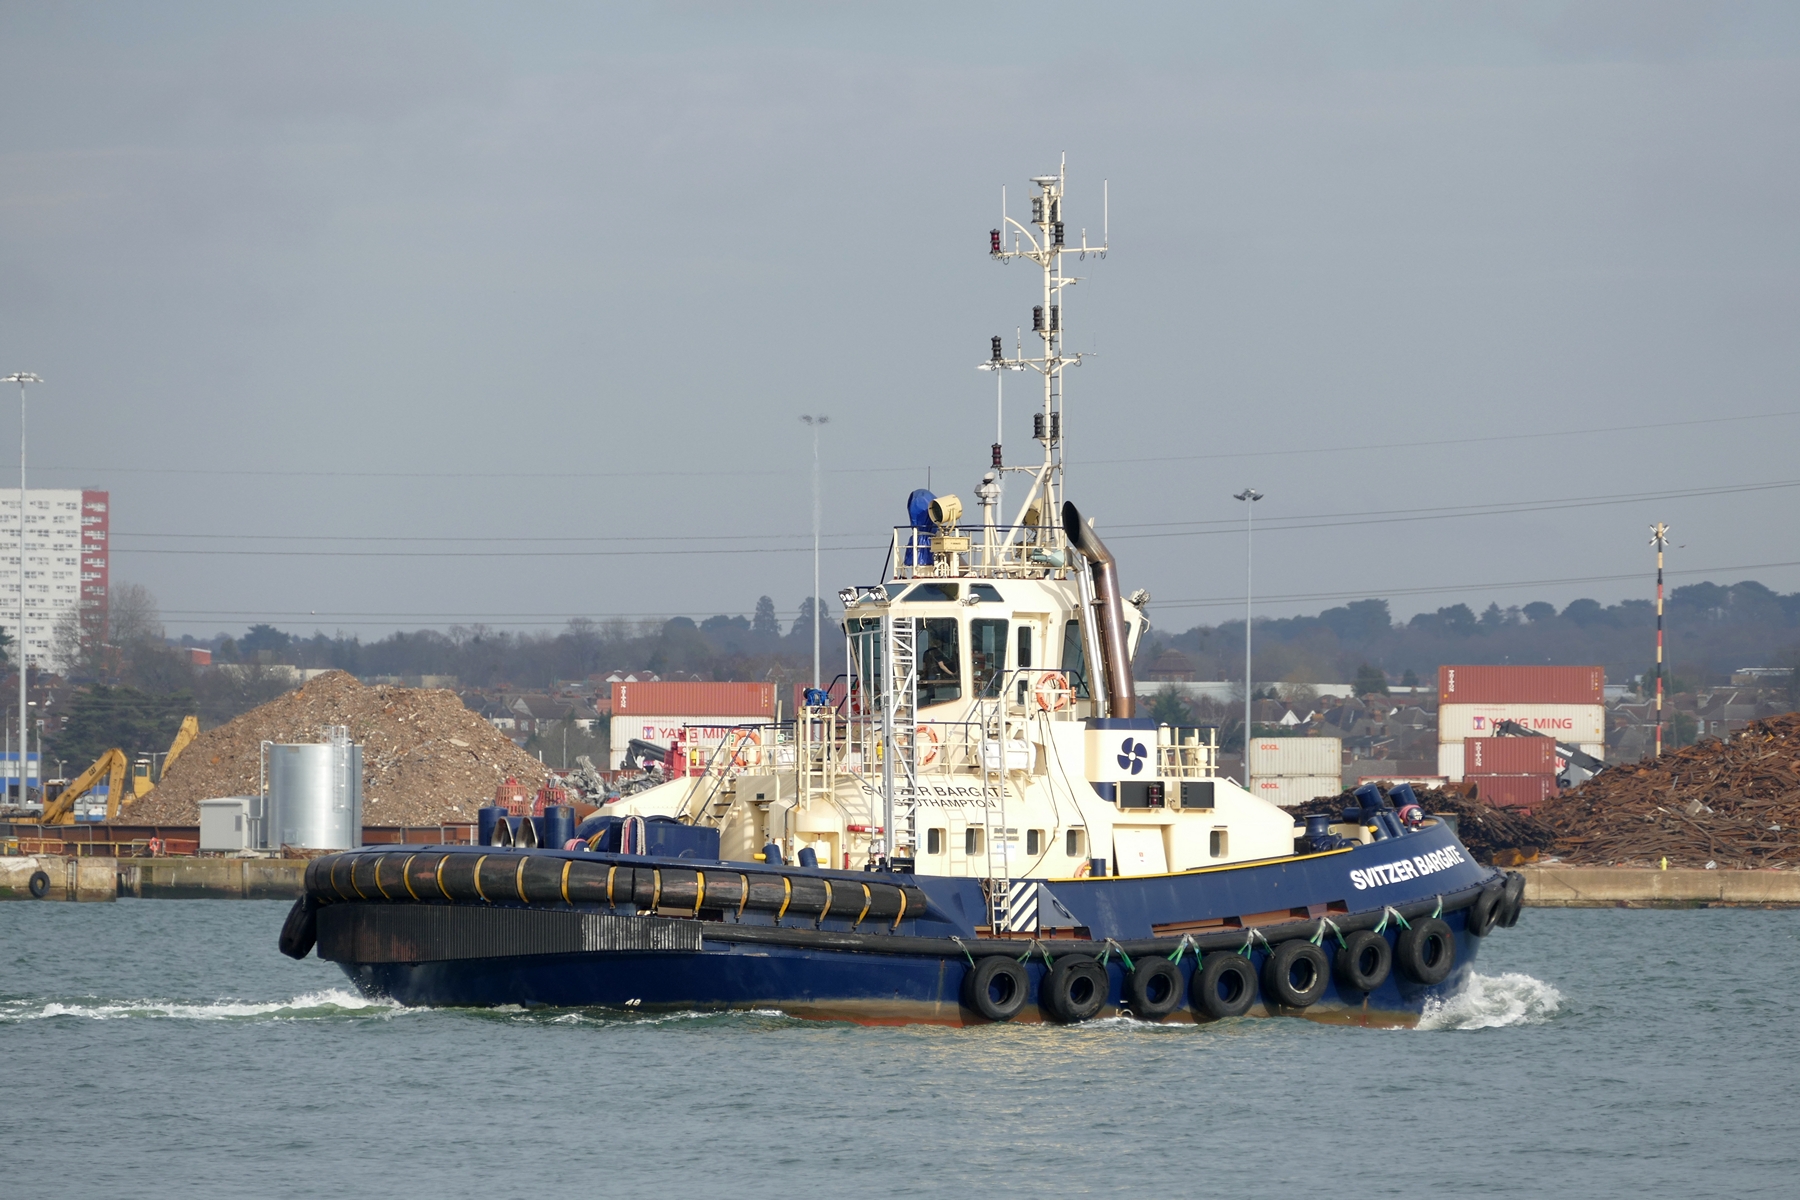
314,794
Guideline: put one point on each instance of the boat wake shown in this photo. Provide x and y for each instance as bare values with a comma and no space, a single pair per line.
1494,1002
332,1002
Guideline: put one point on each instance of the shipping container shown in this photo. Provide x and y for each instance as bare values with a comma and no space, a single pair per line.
1296,757
1564,722
1450,761
701,732
665,699
1297,789
1512,791
1509,756
1521,685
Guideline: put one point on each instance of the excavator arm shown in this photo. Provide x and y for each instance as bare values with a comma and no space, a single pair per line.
140,783
110,766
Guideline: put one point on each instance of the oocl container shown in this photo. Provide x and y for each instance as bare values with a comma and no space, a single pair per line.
1565,722
1509,756
1521,685
1296,757
1293,790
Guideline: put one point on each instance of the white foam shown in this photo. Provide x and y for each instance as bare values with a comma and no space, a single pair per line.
330,1002
1494,1002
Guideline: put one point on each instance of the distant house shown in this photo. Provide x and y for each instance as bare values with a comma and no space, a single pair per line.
1171,666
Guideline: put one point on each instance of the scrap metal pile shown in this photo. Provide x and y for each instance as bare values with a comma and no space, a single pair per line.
427,759
1729,804
1492,835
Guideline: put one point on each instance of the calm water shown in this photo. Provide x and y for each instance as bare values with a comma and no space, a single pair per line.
164,1048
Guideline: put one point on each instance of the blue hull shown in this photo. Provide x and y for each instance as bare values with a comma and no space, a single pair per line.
833,968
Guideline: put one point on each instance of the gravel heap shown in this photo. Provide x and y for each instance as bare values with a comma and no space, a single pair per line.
427,760
1492,835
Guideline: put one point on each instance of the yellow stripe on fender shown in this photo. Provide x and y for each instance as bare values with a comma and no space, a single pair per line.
827,906
787,898
519,879
868,899
699,890
565,881
406,875
744,882
899,914
478,890
439,876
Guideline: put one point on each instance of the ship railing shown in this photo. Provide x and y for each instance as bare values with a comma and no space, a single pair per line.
997,552
1187,753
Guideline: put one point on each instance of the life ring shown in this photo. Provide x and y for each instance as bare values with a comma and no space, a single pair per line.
1073,990
923,735
996,987
1052,691
155,847
1426,952
742,757
1081,872
1295,974
1363,961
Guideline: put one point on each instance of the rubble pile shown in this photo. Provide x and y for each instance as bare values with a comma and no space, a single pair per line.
1492,835
427,760
1729,804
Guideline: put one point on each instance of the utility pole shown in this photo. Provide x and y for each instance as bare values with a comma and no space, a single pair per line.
1249,496
1659,537
22,378
814,422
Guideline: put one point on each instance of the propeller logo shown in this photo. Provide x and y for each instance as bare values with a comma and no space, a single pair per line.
1132,755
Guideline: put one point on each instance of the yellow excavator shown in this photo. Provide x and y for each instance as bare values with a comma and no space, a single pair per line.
112,767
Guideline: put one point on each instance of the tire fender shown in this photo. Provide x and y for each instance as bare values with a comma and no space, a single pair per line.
1153,989
1363,961
995,988
1073,990
1426,953
1224,985
1295,974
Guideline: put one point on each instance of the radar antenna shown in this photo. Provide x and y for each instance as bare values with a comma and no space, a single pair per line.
1043,240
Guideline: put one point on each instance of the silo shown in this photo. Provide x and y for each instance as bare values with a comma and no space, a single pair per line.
315,793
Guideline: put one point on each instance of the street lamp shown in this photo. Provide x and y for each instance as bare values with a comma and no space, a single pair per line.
814,422
1249,496
21,378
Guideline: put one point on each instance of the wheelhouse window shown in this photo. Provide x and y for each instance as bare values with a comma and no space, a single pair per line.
940,661
1074,660
1024,651
987,653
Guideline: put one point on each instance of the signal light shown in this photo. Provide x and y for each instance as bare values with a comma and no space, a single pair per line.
996,454
1055,426
1037,318
1055,317
993,241
998,352
1037,209
1037,426
1059,233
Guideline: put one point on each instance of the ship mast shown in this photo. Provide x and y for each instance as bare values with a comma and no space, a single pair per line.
1043,241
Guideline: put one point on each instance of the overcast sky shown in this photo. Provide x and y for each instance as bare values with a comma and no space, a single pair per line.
347,304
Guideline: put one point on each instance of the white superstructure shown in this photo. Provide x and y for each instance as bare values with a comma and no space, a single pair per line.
988,726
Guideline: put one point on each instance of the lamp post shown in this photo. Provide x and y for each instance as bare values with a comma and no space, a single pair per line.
1249,496
1659,537
814,421
21,378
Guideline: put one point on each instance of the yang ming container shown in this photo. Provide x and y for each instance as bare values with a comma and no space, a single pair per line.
1521,685
1564,722
315,794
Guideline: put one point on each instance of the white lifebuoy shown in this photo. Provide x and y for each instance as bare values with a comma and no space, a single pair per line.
1052,692
927,738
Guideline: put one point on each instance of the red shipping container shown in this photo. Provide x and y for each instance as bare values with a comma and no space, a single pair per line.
1521,685
1513,791
1509,756
693,699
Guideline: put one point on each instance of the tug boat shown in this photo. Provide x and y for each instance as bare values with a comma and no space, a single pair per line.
975,824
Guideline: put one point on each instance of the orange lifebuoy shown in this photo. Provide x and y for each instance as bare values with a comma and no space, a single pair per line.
1081,872
744,757
1052,691
155,847
926,734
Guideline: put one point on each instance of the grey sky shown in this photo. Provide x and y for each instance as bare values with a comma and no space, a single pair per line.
435,271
